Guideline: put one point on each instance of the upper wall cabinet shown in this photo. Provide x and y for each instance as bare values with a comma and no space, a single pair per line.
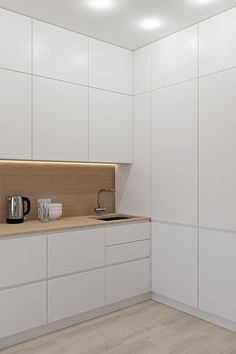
15,41
217,150
15,115
175,58
142,69
110,127
60,124
110,67
59,53
217,42
174,153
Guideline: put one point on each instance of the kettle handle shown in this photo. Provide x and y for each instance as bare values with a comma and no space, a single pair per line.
28,204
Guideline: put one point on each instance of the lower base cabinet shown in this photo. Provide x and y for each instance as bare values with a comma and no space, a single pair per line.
22,308
217,286
74,294
127,280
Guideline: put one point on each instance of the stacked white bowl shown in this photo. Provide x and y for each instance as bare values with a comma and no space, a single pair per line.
55,211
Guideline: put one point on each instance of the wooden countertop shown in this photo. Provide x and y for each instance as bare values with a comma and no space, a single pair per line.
77,222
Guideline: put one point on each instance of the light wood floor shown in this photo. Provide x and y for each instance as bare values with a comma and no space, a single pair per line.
148,328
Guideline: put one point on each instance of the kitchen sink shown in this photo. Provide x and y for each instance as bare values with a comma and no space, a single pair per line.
113,218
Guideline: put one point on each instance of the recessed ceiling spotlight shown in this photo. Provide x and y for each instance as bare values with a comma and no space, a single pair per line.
150,24
101,4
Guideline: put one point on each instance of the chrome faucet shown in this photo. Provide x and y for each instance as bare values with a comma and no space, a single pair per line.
99,209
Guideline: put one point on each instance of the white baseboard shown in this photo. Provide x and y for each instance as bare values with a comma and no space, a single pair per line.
71,321
219,321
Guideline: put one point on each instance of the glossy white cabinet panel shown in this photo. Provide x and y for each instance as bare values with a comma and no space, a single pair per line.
217,273
217,150
127,252
15,115
22,308
22,260
110,127
127,280
74,251
142,69
15,41
110,67
175,58
174,153
59,53
217,42
71,295
133,182
175,262
60,121
127,233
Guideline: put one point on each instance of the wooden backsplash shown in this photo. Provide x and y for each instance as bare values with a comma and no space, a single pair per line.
73,185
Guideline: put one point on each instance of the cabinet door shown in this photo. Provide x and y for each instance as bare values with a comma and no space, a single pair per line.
217,42
59,53
127,252
127,280
110,127
75,294
217,150
174,153
60,121
217,264
175,58
15,42
174,262
142,70
22,260
75,251
110,67
127,233
15,115
22,308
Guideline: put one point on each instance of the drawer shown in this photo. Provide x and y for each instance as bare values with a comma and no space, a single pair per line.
128,251
22,260
127,233
75,251
127,280
75,294
22,308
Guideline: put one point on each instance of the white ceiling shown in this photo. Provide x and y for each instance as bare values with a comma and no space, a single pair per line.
120,23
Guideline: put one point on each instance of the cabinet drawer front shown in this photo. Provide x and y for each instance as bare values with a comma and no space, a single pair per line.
22,260
74,294
127,233
75,251
128,251
22,308
127,280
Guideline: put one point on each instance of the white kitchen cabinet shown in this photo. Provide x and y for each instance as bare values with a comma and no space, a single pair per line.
217,42
217,288
110,67
142,70
75,251
59,53
175,262
75,294
110,127
175,58
217,150
15,115
174,153
22,260
60,121
15,41
127,233
127,280
133,182
22,308
127,252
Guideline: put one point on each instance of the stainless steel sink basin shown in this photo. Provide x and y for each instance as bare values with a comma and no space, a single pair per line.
113,218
